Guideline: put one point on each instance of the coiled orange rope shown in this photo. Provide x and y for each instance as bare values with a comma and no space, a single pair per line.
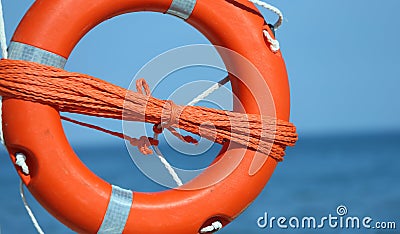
83,94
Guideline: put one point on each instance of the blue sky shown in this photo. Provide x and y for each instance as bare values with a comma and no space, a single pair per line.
342,58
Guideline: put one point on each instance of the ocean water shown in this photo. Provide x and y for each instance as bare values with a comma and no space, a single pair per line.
358,171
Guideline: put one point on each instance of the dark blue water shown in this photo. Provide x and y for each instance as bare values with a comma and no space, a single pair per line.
360,171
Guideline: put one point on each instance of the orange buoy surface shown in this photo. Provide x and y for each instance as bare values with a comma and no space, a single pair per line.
81,200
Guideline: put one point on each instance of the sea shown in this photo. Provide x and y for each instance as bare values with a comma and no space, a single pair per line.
337,180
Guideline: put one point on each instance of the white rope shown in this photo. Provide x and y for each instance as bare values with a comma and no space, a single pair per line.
3,45
215,226
267,6
274,44
3,40
209,91
28,209
195,100
21,161
168,166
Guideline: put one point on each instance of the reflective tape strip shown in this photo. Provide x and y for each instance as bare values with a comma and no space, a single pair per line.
21,51
182,8
117,211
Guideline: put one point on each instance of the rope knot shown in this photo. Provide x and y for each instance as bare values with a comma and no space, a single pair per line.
169,118
171,113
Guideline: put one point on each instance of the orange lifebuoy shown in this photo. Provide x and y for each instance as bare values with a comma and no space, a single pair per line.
78,198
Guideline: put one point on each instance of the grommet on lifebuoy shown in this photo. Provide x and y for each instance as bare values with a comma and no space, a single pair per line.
83,201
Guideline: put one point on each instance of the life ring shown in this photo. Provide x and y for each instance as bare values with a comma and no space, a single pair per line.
81,200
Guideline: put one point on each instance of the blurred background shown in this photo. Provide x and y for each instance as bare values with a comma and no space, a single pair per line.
343,63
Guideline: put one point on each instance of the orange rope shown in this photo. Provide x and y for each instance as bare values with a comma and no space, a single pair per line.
143,143
83,94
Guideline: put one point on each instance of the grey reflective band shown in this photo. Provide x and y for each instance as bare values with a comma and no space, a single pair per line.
21,51
117,211
182,8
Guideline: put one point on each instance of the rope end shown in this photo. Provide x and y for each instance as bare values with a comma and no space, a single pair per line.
143,144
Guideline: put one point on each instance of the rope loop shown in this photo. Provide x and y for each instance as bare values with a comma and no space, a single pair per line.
20,160
273,43
274,9
142,87
215,226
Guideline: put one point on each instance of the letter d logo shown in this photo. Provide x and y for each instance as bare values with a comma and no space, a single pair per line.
262,221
